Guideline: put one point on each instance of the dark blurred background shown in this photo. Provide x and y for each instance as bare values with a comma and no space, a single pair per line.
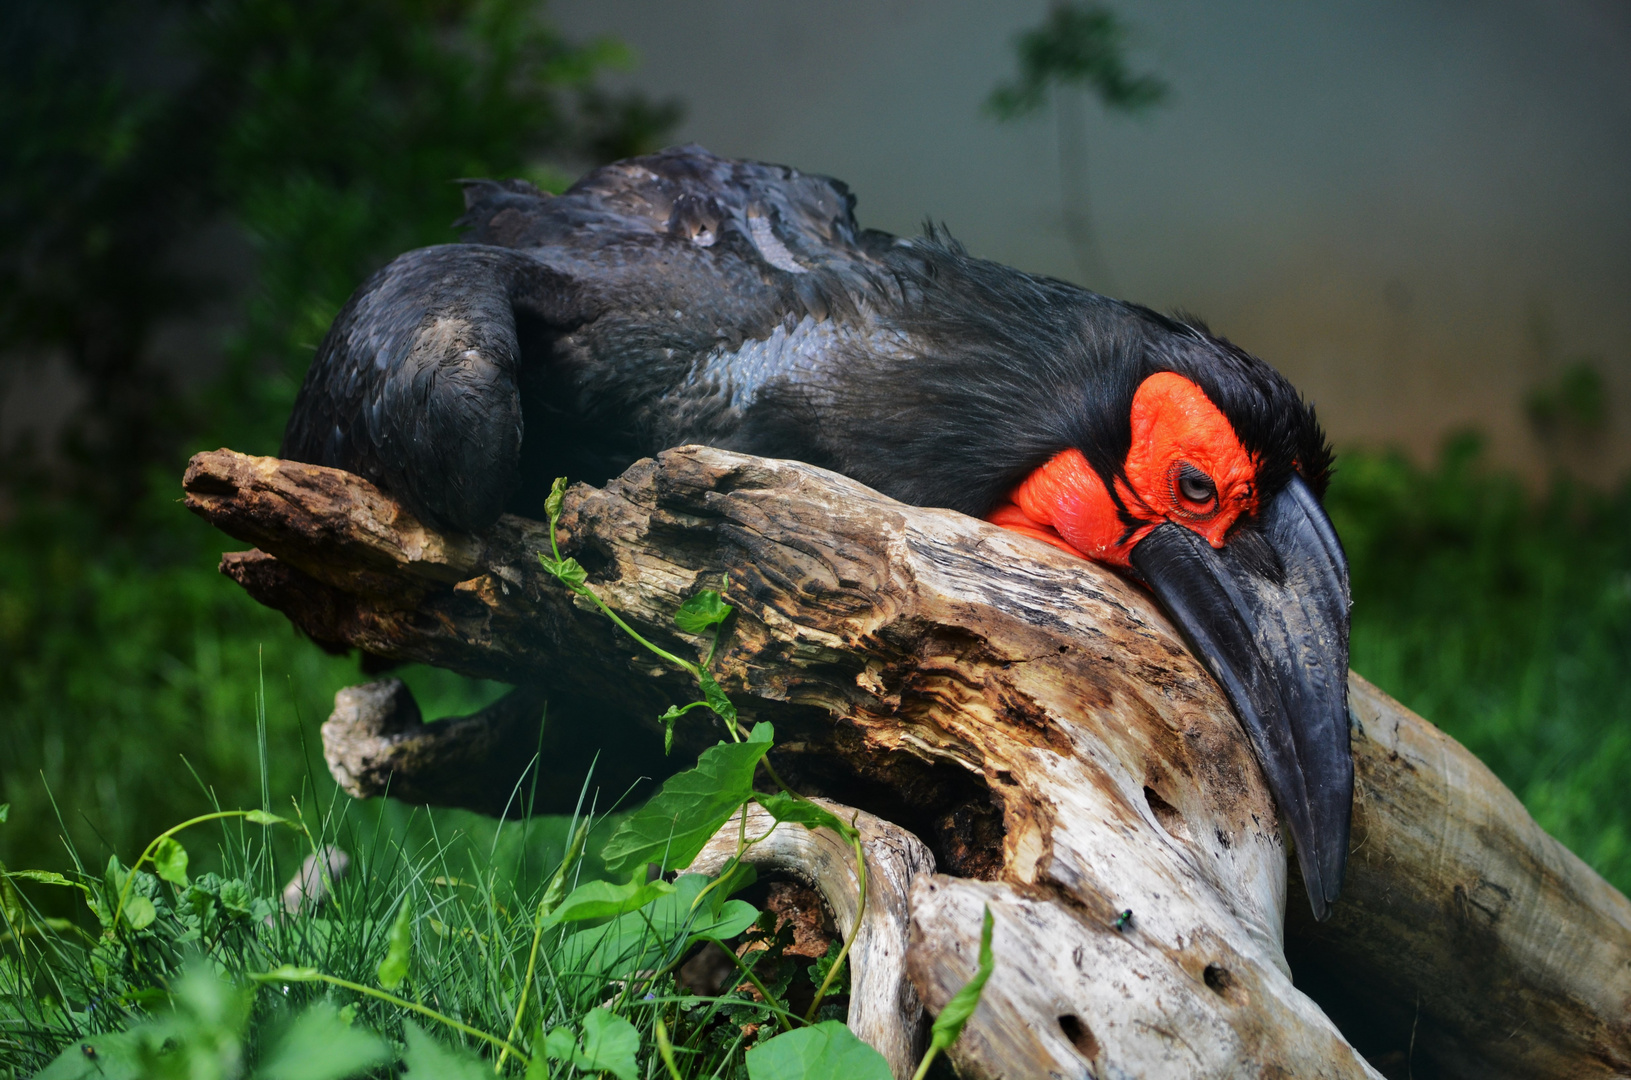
1418,211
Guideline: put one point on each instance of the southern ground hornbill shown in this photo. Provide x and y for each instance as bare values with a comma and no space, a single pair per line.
686,298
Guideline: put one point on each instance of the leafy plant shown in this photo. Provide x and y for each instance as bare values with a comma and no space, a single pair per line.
948,1026
201,1036
827,1049
209,978
672,828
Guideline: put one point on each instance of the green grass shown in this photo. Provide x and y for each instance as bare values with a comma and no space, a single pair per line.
212,976
432,928
131,664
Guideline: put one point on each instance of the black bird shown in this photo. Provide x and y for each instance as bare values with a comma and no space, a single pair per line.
687,298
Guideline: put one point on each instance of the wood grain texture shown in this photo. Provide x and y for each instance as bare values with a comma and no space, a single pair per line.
1036,721
1462,921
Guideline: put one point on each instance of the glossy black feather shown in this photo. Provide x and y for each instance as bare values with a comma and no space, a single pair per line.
683,297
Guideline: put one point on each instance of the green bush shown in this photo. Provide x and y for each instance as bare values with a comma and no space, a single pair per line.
1505,619
326,136
132,667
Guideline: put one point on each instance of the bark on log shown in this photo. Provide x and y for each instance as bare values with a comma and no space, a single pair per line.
376,743
1037,722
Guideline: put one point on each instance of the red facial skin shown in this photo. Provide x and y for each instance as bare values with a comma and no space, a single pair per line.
1174,425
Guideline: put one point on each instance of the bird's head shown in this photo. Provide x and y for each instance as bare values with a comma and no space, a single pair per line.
1202,476
1182,463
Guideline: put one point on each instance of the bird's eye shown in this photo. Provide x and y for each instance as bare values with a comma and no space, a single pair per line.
1196,487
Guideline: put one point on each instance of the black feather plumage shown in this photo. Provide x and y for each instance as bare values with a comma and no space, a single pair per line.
683,297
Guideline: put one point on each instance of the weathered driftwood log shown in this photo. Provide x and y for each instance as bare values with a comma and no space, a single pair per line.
376,743
1032,718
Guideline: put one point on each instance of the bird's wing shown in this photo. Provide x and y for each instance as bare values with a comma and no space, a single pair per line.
585,325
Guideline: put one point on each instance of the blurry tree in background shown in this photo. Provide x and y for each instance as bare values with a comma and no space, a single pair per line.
310,141
327,132
1080,48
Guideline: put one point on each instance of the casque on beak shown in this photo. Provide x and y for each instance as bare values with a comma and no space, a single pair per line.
1268,614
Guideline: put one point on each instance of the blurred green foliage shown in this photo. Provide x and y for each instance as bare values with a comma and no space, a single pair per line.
326,133
1575,404
312,140
1082,45
1506,620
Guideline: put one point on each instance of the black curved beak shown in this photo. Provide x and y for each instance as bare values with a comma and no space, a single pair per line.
1268,614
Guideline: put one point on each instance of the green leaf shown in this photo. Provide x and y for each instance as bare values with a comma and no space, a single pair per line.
44,877
715,919
552,505
170,860
824,1051
237,898
570,572
5,812
669,718
566,569
703,610
261,817
320,1045
949,1024
736,879
428,1059
717,701
140,912
785,807
394,968
604,900
824,963
538,1069
669,925
733,917
610,1044
673,827
559,1045
116,1056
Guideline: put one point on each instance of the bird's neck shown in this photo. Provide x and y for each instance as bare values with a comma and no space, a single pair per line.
1065,503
